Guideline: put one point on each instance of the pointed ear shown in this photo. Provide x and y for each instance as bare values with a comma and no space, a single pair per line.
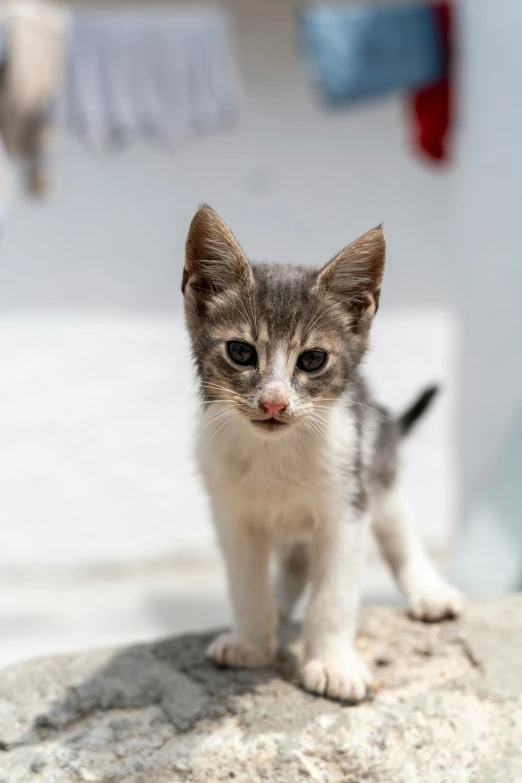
355,274
214,261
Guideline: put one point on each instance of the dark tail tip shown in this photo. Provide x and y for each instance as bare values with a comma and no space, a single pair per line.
409,418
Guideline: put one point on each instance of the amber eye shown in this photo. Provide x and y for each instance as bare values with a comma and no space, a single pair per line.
242,353
310,361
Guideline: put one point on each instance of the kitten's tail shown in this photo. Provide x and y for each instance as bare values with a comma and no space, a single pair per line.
409,417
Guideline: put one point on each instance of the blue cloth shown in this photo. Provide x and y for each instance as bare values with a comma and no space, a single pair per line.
360,52
159,73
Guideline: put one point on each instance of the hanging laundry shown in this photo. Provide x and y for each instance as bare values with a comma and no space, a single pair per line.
357,52
431,106
30,80
159,74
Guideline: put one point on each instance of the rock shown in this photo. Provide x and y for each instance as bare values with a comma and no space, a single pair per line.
447,706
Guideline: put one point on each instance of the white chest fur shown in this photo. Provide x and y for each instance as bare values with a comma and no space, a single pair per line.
284,484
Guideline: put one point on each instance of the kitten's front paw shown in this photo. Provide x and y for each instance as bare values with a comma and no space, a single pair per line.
231,649
437,602
347,679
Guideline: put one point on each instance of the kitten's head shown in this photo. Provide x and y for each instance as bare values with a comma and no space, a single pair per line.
278,343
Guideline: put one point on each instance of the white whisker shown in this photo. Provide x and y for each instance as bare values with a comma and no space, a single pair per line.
252,303
223,432
219,426
319,313
311,429
223,388
316,427
247,316
323,424
380,413
322,323
216,418
333,399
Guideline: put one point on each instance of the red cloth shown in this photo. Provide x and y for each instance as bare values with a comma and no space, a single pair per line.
432,106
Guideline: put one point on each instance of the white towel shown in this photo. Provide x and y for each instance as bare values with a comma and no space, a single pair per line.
154,73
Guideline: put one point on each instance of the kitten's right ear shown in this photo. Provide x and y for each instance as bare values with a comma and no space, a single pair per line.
214,261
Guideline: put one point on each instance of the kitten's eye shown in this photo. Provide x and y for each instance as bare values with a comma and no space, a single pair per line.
310,361
242,353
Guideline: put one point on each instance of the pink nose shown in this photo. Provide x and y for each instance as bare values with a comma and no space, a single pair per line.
273,408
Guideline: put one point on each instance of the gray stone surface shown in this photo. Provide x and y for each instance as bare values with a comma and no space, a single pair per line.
447,706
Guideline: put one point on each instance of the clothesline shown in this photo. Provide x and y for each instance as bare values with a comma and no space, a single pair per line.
116,75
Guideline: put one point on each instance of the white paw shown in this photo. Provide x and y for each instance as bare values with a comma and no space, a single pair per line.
231,649
437,602
347,679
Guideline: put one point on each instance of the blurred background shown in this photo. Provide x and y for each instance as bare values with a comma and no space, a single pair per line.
303,128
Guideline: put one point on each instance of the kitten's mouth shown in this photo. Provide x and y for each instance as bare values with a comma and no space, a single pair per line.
269,424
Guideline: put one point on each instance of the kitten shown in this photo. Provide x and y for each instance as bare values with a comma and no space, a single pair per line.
296,456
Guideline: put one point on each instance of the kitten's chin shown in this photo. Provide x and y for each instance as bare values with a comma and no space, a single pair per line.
271,428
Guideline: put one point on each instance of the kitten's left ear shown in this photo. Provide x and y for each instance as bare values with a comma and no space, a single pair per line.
355,274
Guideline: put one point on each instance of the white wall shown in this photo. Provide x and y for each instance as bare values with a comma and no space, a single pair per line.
99,428
488,219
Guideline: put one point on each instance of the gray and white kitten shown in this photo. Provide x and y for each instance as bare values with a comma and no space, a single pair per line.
296,456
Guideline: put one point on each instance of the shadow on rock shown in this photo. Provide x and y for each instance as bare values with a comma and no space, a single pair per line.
172,674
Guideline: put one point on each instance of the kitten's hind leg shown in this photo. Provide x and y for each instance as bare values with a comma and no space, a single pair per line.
429,596
292,576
